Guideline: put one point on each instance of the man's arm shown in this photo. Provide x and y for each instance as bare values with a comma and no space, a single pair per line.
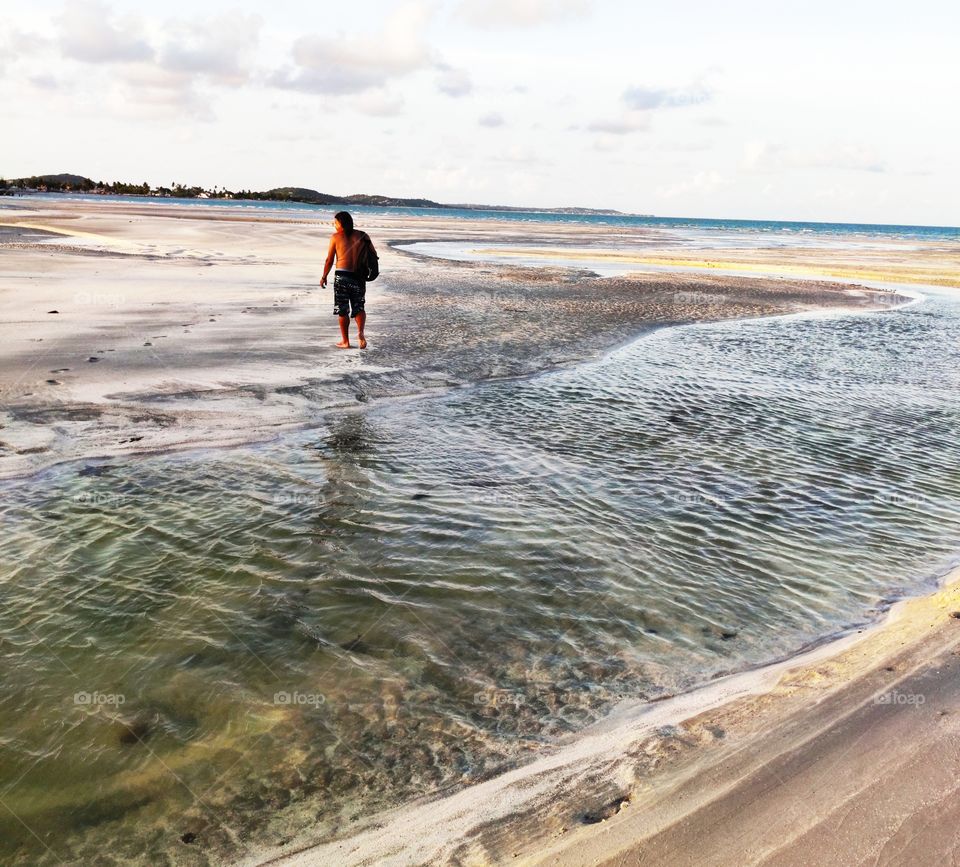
331,255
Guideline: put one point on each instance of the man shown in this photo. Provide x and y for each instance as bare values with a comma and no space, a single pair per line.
349,286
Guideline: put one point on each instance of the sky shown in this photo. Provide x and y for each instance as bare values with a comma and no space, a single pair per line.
825,111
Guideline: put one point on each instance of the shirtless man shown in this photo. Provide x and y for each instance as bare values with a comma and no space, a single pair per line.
349,287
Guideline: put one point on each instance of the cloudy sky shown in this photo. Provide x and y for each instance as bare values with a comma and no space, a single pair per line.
841,110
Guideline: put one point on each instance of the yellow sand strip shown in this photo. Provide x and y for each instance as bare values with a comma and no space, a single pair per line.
928,276
73,233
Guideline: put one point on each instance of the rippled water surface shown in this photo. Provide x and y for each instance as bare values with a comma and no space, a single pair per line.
210,651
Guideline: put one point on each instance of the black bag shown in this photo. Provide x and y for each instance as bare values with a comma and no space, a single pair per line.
369,264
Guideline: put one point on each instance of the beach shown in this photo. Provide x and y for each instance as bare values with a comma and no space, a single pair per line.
132,329
620,544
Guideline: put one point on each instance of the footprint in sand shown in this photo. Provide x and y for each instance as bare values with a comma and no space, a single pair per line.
53,382
60,370
92,359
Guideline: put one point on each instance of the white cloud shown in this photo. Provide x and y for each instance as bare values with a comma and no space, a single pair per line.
6,50
453,180
377,103
45,81
699,183
351,64
221,48
620,126
771,156
148,89
522,156
642,102
651,98
507,14
493,119
454,82
607,144
88,32
146,77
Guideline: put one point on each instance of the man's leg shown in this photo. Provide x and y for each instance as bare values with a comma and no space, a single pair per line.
361,320
344,332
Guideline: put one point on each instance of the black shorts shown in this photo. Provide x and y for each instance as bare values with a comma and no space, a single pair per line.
349,293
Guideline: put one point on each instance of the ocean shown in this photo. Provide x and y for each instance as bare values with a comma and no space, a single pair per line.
683,224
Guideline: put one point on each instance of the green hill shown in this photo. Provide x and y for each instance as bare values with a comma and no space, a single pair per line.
79,183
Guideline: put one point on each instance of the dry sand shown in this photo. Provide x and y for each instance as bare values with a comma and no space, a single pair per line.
131,328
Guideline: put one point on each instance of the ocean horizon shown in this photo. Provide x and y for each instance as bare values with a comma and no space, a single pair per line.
533,215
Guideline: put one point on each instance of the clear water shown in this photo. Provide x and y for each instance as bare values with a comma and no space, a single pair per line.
416,594
770,229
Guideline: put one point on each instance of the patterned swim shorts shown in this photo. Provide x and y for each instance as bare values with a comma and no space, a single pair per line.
349,293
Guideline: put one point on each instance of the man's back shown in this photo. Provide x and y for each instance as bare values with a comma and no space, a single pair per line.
348,248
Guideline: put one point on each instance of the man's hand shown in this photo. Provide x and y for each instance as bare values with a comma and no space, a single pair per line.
323,282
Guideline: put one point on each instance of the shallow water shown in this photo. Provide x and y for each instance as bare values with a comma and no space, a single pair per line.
416,594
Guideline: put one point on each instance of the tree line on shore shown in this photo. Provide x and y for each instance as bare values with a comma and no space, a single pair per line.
66,183
79,184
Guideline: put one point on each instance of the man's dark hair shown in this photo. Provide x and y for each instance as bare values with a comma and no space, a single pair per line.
345,220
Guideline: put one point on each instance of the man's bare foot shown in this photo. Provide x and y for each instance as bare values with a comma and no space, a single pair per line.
343,345
363,342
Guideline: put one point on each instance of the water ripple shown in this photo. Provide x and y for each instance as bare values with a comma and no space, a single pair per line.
419,593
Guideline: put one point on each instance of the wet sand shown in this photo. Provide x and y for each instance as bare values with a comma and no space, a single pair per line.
133,328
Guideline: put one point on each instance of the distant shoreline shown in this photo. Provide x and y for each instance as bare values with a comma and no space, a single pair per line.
897,231
78,184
